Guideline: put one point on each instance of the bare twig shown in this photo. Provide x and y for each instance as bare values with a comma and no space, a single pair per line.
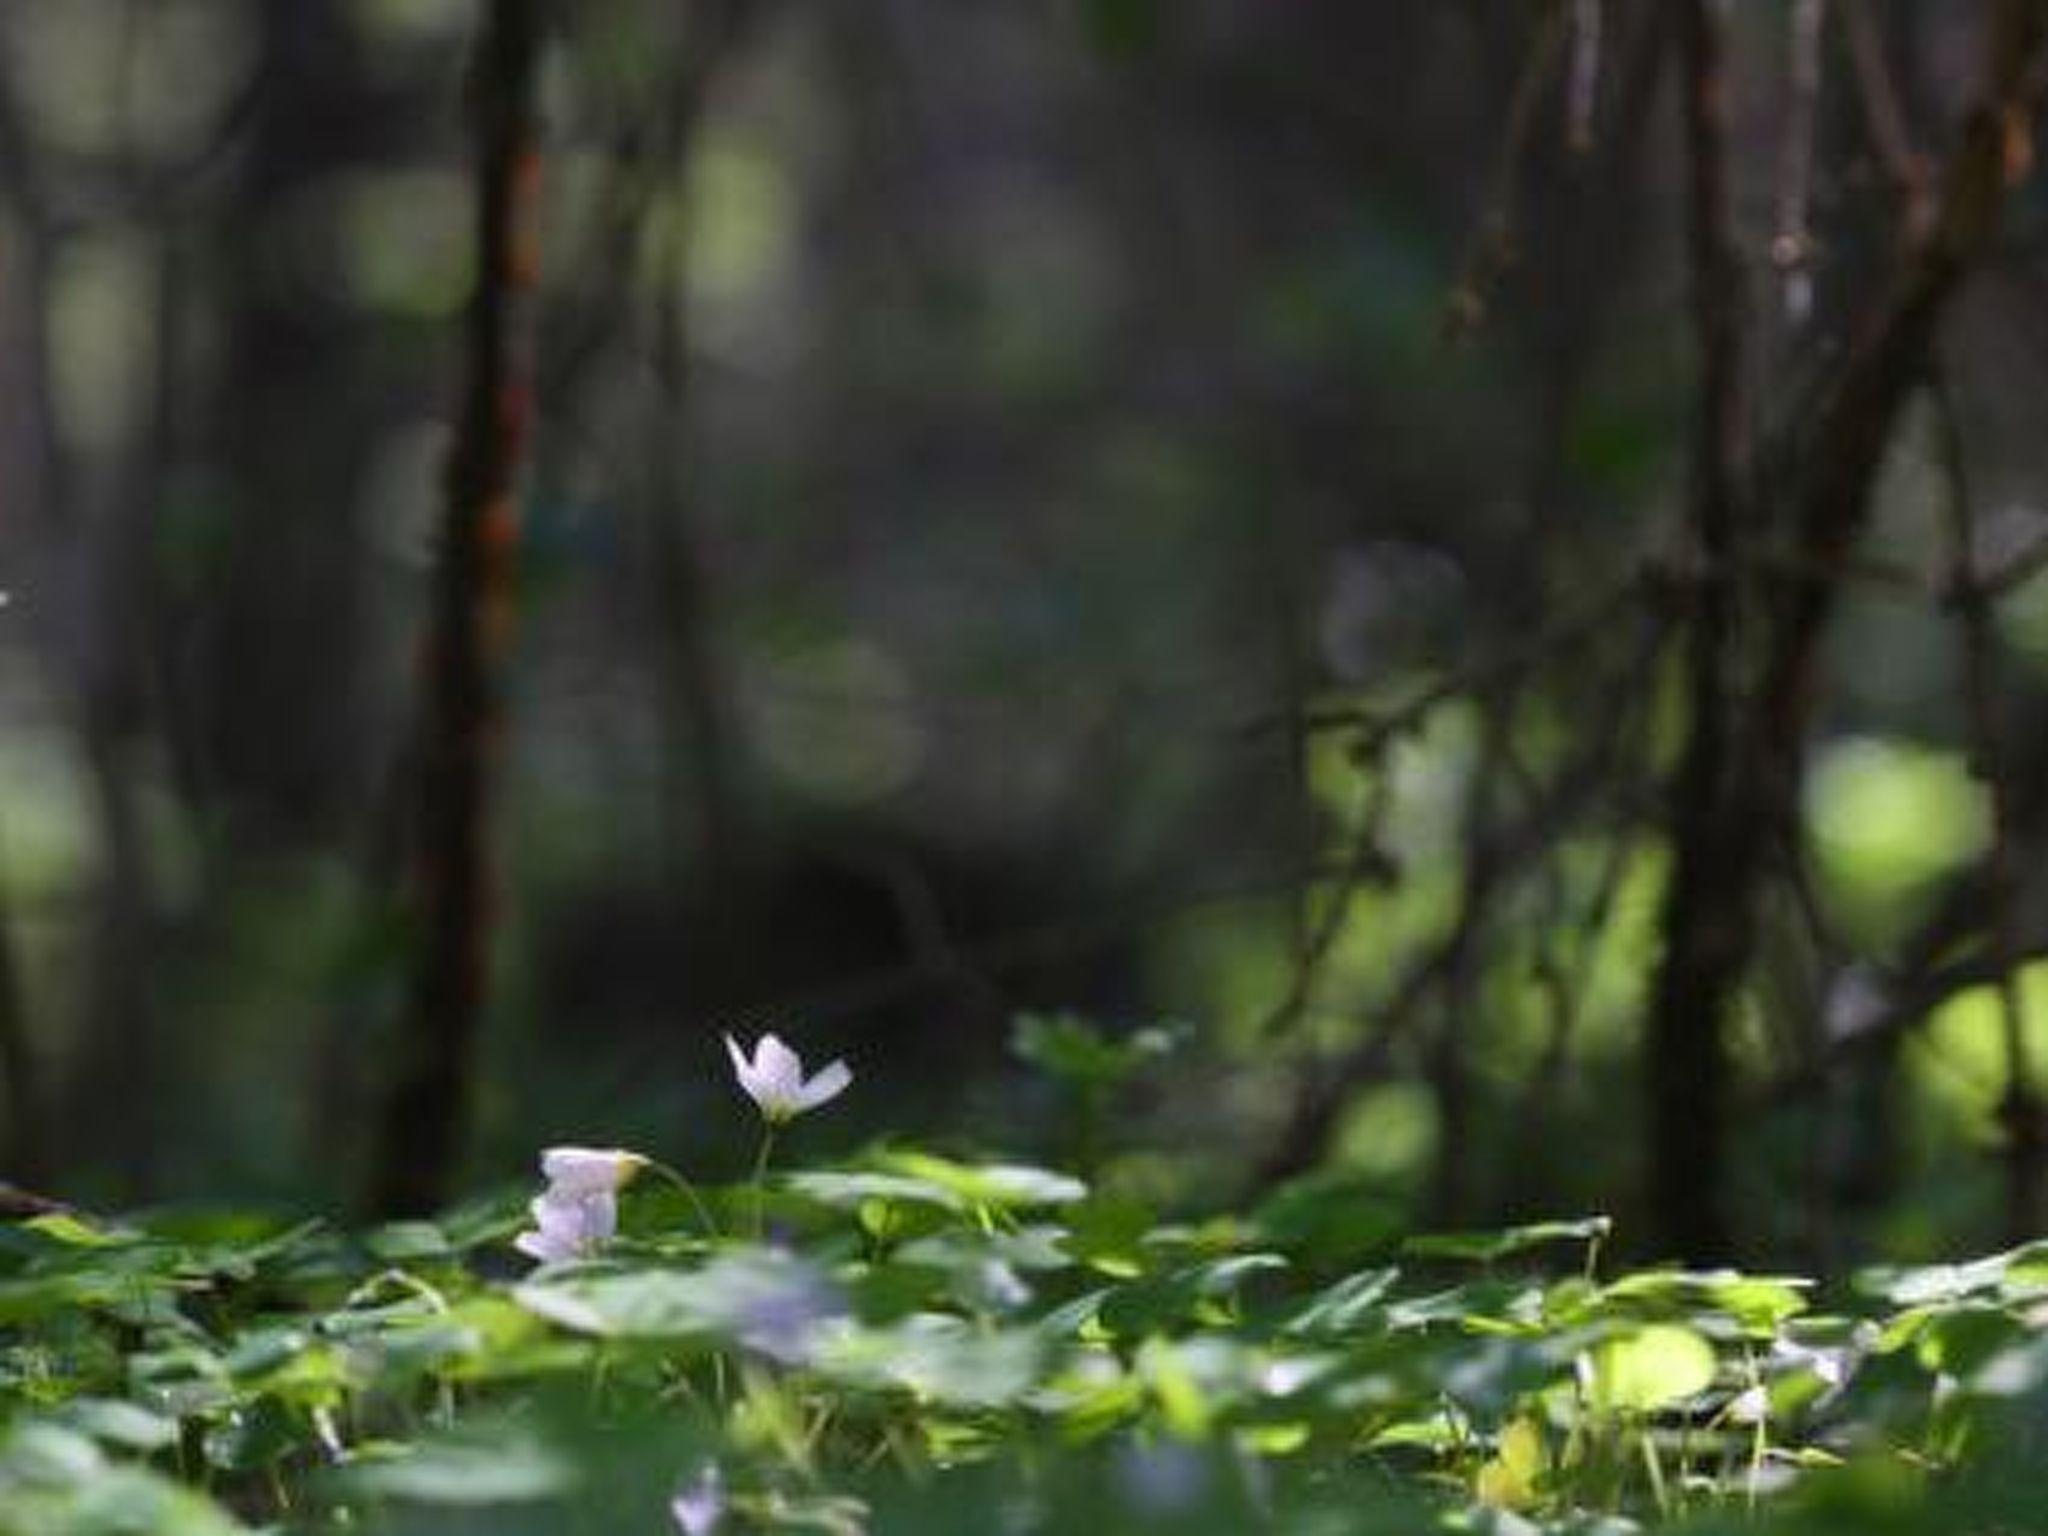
1376,727
1328,1083
1491,250
1792,249
1910,1000
1367,862
1884,118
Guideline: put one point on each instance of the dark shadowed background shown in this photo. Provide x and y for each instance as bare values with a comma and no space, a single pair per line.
1429,542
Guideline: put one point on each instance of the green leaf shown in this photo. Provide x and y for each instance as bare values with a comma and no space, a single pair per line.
1651,1368
768,1301
467,1472
259,1435
847,1191
1068,1047
1352,1304
63,1227
1108,1232
117,1422
997,1186
406,1242
1759,1303
937,1359
1488,1247
1147,1306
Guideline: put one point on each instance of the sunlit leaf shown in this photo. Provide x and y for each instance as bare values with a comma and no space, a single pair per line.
1650,1368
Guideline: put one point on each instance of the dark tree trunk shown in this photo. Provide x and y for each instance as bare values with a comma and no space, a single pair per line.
1706,920
426,1112
267,732
23,1146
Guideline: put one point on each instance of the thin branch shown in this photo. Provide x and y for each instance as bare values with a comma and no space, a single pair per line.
1884,118
1002,953
1492,248
1367,861
1913,999
1328,1083
1852,423
1792,246
1377,727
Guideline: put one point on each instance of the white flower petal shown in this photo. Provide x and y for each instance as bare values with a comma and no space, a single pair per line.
743,1069
574,1224
830,1082
599,1215
779,1068
774,1079
538,1245
589,1170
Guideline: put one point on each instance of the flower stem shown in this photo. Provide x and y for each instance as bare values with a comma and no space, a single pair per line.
761,1180
690,1194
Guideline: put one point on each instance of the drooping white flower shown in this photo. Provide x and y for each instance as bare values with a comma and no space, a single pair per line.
698,1507
579,1209
588,1170
774,1079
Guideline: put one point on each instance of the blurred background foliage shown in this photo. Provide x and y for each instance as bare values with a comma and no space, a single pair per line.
1165,513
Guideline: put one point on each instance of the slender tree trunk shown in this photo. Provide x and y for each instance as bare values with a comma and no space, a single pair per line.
29,497
426,1111
122,1056
266,725
1706,919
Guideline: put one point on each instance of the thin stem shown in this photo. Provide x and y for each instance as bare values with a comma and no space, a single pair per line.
663,1170
1655,1467
1884,117
400,1279
760,1179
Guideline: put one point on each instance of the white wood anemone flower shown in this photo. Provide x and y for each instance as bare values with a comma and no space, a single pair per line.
579,1210
774,1079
